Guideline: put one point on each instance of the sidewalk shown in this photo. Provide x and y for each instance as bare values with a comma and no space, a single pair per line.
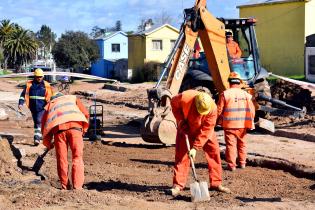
288,154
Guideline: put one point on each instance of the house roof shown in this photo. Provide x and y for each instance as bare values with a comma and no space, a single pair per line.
109,35
252,3
153,29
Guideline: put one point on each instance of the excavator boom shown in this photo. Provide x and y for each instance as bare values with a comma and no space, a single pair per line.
160,125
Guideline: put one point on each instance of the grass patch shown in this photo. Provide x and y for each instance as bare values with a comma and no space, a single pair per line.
273,79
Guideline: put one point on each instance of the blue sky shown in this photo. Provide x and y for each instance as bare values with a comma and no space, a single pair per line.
62,15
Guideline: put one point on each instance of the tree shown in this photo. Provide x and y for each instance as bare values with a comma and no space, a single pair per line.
75,49
144,23
20,46
46,38
163,18
118,25
6,29
97,32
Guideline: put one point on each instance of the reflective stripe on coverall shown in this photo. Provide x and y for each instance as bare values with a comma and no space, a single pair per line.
236,110
66,119
201,136
40,94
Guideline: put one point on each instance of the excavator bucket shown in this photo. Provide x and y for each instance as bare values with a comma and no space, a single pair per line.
159,126
156,129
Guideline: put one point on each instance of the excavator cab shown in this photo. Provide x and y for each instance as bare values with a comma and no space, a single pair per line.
248,65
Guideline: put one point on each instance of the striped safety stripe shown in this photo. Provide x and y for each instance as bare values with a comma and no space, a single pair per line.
22,98
38,134
237,118
60,114
61,105
237,110
37,97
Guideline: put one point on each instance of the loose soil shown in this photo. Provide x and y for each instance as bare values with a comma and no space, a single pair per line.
123,172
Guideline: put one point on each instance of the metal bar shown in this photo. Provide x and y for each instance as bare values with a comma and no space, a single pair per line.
276,101
170,58
191,160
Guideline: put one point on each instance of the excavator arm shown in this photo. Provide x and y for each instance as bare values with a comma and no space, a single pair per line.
159,125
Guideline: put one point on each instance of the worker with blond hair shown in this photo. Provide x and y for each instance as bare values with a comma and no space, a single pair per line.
66,119
236,113
196,116
36,95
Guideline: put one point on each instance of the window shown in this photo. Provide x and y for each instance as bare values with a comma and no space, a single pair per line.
157,45
115,47
172,44
311,63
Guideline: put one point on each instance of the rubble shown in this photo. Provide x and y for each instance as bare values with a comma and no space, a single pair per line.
3,114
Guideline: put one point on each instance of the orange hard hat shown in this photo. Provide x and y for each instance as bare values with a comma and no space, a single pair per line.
234,77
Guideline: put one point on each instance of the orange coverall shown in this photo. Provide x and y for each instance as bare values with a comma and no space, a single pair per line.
233,49
68,133
200,131
236,114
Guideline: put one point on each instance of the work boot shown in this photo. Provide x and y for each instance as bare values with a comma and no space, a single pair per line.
220,188
230,168
36,142
174,191
242,166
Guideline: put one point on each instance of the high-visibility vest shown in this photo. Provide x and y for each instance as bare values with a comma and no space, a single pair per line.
61,110
48,93
238,109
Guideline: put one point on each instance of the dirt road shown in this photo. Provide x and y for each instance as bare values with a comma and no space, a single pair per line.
123,172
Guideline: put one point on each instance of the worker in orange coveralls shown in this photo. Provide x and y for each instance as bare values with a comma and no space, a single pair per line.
234,50
196,116
65,118
236,113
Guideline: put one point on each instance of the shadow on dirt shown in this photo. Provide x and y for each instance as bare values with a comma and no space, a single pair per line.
167,163
254,199
118,185
312,187
124,144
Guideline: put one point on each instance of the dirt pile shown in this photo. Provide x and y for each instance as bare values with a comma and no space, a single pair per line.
8,166
293,94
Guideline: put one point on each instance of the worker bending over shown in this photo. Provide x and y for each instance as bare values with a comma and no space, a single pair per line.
234,50
36,95
236,115
196,115
65,118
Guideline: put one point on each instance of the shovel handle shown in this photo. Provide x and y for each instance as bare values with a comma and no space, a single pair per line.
191,160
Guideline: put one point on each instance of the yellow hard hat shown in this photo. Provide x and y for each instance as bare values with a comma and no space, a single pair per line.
204,103
234,77
38,73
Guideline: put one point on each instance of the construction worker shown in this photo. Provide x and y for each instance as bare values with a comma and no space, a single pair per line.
36,95
196,116
236,115
234,50
66,119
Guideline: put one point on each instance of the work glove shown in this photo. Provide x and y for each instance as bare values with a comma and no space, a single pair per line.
192,153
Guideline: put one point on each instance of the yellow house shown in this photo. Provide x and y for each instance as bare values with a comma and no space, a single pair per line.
282,28
153,44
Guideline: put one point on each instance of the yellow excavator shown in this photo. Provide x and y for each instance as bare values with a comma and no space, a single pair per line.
209,72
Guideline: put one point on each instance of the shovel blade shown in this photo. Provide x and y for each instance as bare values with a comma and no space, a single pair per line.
199,191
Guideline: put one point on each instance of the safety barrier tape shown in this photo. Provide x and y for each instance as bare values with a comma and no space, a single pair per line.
49,73
306,85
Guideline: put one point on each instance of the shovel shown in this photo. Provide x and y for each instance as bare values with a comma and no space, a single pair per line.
39,162
199,190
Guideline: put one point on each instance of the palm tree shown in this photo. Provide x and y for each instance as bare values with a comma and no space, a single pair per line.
20,46
6,29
